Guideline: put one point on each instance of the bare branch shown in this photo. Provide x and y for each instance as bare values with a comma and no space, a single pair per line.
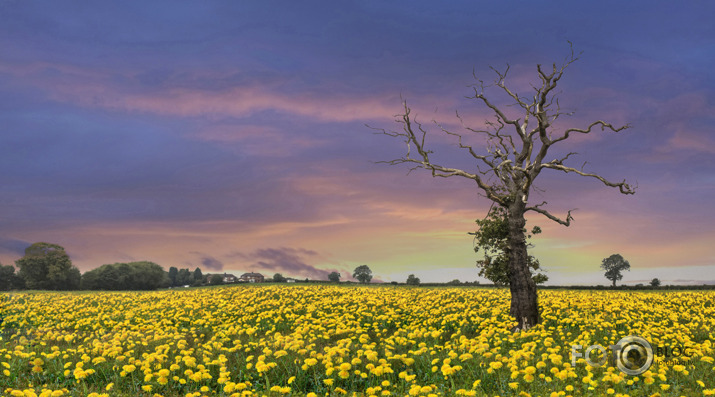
561,160
603,125
468,147
500,115
540,204
624,187
417,139
536,208
500,82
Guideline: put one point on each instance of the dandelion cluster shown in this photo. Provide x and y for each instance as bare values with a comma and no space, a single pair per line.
343,340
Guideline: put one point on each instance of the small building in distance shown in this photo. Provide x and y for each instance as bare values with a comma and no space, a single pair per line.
251,278
229,278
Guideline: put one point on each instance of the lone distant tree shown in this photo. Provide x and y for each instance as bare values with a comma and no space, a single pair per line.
655,283
278,278
614,265
492,237
334,277
363,274
516,146
47,266
412,280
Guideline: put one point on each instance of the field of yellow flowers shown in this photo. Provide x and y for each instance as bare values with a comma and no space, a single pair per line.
335,340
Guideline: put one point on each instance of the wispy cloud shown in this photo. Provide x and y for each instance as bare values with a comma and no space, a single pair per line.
208,262
288,261
13,246
691,141
197,95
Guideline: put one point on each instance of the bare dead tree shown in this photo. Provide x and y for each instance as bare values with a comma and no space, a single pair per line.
514,155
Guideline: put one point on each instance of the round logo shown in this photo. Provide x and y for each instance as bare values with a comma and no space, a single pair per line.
634,355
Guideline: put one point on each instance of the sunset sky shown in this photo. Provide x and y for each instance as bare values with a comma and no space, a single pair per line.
232,135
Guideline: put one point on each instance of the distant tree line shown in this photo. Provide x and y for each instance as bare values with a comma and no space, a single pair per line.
181,277
125,276
47,266
633,287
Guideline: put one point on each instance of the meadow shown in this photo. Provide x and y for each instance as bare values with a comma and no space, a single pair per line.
331,340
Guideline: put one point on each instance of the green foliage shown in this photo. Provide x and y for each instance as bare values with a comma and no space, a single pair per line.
181,277
334,277
47,266
614,265
492,237
184,277
126,276
8,279
216,279
363,274
278,278
412,280
655,282
455,282
198,275
173,273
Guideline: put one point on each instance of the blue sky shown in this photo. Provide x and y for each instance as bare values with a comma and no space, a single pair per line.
231,135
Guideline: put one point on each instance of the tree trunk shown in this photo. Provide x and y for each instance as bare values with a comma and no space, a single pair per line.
524,305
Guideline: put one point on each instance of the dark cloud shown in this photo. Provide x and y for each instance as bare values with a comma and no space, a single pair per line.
211,263
208,262
14,246
292,262
283,253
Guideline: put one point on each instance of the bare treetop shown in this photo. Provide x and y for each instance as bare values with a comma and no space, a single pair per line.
516,148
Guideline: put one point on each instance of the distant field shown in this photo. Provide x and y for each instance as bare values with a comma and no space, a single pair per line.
296,340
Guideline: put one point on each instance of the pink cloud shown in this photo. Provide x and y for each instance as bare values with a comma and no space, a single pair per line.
264,141
243,101
92,88
676,117
697,141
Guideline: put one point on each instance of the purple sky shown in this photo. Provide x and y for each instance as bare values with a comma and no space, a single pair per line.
231,135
